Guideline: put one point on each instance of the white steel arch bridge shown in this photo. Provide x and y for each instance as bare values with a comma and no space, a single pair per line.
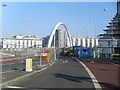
53,34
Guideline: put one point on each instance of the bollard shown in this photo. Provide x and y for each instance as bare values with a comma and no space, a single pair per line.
28,65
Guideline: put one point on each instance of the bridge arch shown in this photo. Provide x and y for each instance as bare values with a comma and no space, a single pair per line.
53,34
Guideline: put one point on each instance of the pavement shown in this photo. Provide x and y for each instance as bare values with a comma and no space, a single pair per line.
107,73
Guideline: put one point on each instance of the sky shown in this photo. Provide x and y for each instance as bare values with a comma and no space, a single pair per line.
39,18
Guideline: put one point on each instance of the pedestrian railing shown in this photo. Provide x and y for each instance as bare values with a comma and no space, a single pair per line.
19,63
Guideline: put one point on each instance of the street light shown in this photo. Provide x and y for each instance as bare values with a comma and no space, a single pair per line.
105,9
94,22
54,48
4,5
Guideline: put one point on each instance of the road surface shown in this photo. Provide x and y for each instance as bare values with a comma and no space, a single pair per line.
65,73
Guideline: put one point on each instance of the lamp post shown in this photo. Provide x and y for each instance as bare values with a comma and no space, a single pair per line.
1,5
93,22
54,48
4,5
111,29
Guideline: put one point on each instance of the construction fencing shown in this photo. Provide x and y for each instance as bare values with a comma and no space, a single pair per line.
40,57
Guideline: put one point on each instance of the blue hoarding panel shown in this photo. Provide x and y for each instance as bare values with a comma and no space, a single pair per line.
85,53
82,52
76,50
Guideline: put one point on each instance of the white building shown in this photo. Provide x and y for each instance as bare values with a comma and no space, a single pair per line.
63,41
106,44
109,42
74,41
78,41
96,42
67,42
21,42
45,41
85,42
92,42
60,38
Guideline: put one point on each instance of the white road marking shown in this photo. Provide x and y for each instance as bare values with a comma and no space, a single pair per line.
63,61
3,78
66,61
15,87
52,64
94,80
7,71
45,67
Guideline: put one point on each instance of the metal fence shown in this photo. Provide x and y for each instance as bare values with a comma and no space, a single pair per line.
19,61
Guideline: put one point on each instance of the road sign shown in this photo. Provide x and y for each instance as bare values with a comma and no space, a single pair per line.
44,51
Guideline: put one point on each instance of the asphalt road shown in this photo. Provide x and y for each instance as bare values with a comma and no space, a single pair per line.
65,73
